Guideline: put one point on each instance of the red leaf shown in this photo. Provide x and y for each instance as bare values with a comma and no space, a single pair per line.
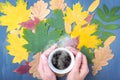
23,69
88,19
30,24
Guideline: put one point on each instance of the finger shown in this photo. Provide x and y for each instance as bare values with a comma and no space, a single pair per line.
77,62
48,51
84,67
46,67
40,67
73,50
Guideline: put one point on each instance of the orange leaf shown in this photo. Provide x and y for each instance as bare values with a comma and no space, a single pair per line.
102,56
68,28
109,41
39,10
57,4
94,5
34,66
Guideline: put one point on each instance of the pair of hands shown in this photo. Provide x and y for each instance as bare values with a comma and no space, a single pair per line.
79,71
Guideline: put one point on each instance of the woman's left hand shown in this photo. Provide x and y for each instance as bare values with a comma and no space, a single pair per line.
43,67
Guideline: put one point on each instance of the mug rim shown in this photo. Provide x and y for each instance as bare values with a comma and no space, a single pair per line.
63,71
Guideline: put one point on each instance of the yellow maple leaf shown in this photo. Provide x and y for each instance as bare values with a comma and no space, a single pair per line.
16,48
39,10
85,36
94,5
102,56
14,14
57,4
77,16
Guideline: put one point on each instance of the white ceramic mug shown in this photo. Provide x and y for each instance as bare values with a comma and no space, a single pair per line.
63,71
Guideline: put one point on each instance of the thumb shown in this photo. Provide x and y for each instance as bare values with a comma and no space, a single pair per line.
45,64
77,62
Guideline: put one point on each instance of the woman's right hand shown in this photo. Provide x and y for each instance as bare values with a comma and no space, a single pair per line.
80,69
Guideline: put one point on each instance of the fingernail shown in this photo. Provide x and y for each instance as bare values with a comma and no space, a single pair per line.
79,54
43,57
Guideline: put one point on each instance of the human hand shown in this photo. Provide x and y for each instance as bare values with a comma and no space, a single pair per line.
80,69
43,67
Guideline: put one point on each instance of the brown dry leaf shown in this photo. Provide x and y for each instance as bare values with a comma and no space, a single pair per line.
102,56
34,66
57,4
39,10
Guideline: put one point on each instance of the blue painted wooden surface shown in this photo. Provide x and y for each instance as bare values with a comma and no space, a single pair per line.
109,72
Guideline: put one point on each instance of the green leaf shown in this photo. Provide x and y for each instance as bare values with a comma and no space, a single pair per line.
98,32
101,14
111,26
96,21
106,10
89,55
40,39
114,18
57,20
105,35
114,10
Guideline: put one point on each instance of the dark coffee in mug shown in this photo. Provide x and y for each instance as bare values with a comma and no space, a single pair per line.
61,59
